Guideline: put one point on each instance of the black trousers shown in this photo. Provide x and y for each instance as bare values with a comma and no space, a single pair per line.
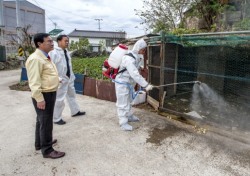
44,123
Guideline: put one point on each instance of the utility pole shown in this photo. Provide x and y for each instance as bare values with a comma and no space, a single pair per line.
18,30
1,14
1,23
17,22
99,19
55,25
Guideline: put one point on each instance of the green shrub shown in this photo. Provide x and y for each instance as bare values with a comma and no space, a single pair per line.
91,67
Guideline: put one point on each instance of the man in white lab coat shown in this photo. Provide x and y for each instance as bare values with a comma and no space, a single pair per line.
66,89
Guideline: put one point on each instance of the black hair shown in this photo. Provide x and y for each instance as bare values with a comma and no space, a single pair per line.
60,37
39,37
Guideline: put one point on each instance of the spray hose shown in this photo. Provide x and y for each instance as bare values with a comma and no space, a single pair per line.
133,93
171,84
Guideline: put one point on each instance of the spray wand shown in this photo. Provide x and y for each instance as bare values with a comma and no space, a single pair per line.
190,82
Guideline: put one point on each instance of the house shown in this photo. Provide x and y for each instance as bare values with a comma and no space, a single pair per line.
29,15
98,38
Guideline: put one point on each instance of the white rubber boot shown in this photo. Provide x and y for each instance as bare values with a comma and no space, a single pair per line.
133,118
126,127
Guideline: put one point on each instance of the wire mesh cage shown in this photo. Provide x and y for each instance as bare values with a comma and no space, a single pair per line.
221,64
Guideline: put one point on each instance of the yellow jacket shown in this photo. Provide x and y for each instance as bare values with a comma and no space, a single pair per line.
42,75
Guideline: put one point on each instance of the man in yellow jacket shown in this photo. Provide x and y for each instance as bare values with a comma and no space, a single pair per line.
43,82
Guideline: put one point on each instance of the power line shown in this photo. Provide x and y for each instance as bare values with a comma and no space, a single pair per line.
45,13
64,11
58,9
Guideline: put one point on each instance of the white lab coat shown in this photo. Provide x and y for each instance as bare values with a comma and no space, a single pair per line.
66,87
130,76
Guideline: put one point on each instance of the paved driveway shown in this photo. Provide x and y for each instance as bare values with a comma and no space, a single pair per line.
95,145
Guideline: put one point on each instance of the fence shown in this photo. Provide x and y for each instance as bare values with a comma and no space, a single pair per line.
78,83
220,61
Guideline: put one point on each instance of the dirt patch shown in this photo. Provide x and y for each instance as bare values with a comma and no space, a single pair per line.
22,86
158,135
10,64
145,106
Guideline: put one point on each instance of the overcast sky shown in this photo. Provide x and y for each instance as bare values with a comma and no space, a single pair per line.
116,15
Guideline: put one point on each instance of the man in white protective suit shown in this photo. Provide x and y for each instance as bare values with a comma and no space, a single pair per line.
129,77
62,60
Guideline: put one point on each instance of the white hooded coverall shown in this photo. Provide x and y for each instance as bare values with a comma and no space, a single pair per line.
131,76
66,87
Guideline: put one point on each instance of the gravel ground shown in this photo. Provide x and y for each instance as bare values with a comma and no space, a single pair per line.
95,145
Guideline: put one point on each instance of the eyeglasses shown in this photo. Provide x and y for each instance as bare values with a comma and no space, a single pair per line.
49,41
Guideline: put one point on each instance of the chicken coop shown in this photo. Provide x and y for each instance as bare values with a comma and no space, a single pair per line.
207,74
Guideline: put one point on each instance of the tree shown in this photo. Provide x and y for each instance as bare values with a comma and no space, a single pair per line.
170,15
81,48
163,14
209,11
26,40
82,44
102,45
244,22
242,25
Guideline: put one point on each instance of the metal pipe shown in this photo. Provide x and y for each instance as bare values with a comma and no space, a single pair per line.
218,33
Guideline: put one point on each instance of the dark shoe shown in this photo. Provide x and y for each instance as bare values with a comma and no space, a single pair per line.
79,114
60,122
54,155
53,142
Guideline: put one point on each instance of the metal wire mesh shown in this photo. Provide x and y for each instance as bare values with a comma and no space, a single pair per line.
221,63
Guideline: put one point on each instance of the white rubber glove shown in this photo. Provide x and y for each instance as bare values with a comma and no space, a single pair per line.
149,87
104,69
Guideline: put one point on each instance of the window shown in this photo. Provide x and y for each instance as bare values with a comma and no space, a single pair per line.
109,42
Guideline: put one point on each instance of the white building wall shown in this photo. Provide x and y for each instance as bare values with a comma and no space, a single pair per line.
28,16
9,16
75,39
95,41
